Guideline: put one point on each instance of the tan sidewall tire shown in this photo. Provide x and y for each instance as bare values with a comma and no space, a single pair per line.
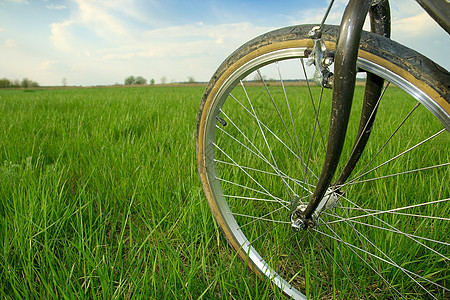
285,40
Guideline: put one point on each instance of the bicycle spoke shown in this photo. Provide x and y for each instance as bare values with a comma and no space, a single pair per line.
401,233
316,111
374,213
395,211
407,272
288,189
394,229
357,176
250,189
259,155
397,174
397,156
262,218
291,116
255,199
271,132
299,153
297,182
253,240
316,123
338,239
361,239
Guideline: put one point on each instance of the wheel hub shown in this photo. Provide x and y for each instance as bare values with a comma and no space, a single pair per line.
329,201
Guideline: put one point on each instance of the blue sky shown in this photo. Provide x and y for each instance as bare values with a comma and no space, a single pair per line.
100,42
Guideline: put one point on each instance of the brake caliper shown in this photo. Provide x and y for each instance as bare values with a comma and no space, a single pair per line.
321,58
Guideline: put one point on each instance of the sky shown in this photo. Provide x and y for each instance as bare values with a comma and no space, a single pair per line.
101,42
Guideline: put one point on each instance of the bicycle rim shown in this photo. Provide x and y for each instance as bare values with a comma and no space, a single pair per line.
263,142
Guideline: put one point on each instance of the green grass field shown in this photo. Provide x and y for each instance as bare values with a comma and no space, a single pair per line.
100,198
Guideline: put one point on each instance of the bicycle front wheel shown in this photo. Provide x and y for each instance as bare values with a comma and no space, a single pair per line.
262,131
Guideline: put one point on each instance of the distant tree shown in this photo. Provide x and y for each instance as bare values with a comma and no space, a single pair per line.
15,83
64,81
129,80
152,81
140,80
25,83
191,79
135,80
34,84
164,80
5,83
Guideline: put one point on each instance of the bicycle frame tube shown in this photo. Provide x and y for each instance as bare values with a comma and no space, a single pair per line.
344,83
380,23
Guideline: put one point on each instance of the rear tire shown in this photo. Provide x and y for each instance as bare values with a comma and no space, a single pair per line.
261,143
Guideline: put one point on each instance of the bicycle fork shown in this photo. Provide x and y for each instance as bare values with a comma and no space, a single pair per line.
326,194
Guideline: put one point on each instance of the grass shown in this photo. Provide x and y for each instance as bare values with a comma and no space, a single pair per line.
101,199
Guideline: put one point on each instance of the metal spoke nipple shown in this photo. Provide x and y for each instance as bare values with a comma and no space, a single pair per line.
221,121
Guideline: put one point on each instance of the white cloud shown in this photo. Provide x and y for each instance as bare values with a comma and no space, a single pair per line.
410,20
61,36
55,7
100,19
315,15
193,39
174,46
10,43
104,19
413,26
18,1
175,41
46,65
130,8
97,17
175,52
196,48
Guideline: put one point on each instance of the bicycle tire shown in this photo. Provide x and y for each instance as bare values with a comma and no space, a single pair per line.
424,82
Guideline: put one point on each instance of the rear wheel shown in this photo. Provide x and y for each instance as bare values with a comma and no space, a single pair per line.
262,131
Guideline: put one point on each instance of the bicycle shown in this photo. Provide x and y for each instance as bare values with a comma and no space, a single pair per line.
359,212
